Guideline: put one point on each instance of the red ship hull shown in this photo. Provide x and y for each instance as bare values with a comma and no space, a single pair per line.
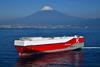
53,47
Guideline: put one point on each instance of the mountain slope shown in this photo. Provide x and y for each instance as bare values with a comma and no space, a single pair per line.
47,17
50,16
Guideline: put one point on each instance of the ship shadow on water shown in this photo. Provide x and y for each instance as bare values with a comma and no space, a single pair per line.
60,59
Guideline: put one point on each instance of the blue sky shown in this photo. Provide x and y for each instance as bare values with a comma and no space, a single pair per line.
10,9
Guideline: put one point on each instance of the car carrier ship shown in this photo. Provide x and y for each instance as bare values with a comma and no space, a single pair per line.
29,45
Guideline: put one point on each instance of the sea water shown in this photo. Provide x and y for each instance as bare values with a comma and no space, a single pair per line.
88,56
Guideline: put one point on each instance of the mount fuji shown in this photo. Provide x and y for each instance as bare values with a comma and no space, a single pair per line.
48,15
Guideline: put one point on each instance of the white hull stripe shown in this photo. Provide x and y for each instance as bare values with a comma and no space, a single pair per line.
27,43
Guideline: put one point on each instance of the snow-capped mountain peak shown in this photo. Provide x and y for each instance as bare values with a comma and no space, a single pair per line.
47,8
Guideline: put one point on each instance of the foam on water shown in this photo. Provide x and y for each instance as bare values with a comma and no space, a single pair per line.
91,47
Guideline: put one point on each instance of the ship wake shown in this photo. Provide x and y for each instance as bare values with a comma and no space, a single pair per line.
91,47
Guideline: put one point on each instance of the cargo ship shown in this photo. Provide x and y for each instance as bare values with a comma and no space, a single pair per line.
31,45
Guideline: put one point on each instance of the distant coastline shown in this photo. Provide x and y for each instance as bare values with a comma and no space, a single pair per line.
40,26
